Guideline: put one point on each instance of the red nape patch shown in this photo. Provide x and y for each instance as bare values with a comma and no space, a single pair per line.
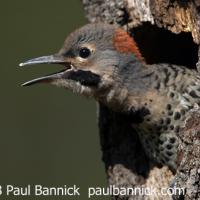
124,43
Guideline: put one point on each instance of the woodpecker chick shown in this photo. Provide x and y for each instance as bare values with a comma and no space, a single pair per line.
103,61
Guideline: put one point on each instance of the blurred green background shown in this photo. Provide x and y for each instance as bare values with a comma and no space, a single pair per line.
48,135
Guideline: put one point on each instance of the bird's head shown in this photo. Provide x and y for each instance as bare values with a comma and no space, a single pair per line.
92,57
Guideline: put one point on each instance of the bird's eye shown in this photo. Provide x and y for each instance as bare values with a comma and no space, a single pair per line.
84,52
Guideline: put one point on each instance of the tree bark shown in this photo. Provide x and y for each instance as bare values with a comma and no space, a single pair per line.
165,31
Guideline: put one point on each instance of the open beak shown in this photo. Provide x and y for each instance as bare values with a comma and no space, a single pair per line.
52,59
69,73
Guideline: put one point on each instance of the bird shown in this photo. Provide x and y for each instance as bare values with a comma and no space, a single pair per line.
103,61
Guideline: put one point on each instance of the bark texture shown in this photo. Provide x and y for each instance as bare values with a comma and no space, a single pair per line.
166,31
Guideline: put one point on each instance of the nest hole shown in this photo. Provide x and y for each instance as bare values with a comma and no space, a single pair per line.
158,45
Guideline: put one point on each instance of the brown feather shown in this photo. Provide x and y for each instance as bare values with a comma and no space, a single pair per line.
124,43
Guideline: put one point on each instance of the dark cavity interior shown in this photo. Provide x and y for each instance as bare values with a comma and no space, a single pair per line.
158,45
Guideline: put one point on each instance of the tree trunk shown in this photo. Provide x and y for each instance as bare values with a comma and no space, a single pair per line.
165,31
